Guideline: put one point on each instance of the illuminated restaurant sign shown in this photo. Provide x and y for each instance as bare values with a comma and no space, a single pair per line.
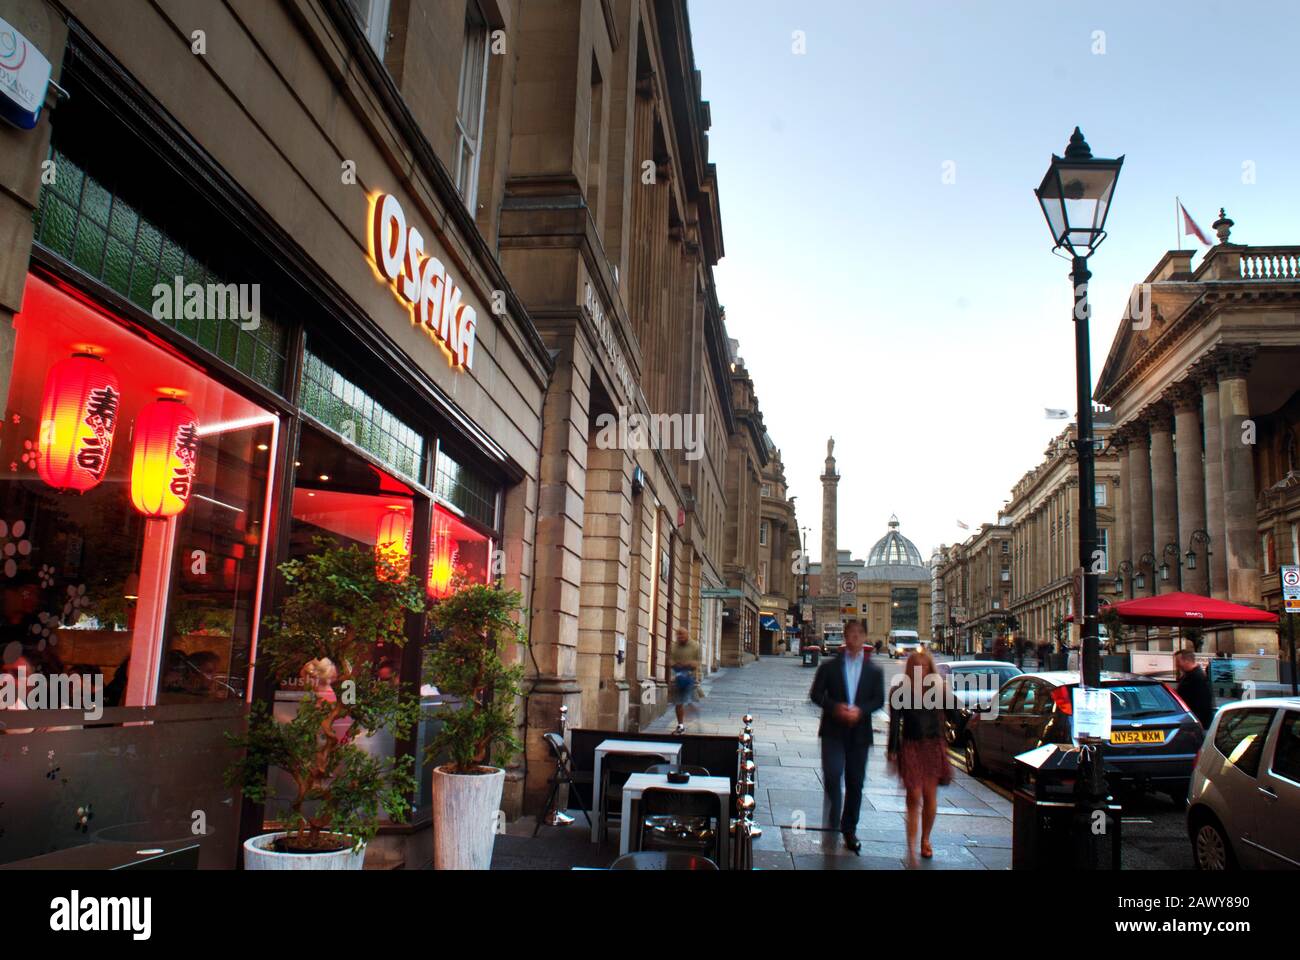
420,281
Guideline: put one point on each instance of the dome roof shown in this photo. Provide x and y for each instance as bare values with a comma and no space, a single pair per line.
894,549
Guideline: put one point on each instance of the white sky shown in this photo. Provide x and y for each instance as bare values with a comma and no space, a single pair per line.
927,325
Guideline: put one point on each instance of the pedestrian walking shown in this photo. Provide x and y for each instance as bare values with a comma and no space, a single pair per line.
1194,687
849,688
918,706
685,661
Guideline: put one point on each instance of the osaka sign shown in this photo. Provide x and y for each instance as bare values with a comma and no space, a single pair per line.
420,281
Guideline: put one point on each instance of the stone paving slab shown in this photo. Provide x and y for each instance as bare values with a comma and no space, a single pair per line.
972,830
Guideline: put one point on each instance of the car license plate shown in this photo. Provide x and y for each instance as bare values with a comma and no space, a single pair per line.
1137,736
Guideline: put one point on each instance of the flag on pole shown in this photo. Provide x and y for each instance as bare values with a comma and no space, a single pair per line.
1053,413
962,525
1190,229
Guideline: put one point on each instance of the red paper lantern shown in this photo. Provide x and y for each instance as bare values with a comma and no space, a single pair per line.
393,539
443,553
78,416
165,458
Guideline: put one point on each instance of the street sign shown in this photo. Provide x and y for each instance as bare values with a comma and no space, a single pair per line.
1291,588
848,584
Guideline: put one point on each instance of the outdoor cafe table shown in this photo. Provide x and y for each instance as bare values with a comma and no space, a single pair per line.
639,782
671,752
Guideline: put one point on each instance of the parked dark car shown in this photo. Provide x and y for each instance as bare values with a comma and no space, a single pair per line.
1154,737
974,683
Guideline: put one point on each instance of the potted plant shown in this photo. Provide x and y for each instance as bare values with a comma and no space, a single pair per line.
341,603
474,624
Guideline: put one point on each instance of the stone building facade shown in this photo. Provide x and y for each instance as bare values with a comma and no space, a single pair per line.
1044,547
484,233
891,586
1201,379
748,453
778,555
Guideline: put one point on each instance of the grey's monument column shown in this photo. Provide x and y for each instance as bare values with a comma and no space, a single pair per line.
830,557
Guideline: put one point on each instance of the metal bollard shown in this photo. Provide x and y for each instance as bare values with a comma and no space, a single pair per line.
558,818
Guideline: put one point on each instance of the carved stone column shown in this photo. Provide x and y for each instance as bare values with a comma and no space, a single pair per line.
1191,479
1140,530
1218,559
1122,548
1241,526
1164,492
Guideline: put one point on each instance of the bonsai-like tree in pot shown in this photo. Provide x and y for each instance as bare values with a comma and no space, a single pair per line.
474,625
341,603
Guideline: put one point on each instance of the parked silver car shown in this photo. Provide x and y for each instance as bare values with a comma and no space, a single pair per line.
1244,801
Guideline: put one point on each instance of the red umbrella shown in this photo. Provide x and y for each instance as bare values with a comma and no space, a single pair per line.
1185,609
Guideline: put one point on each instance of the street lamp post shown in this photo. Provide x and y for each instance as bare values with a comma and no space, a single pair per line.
1075,195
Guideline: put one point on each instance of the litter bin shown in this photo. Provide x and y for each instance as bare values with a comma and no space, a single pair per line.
812,656
1052,825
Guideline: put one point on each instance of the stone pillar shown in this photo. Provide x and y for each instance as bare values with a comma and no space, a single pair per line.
1122,550
1140,530
1164,491
603,614
1191,481
830,555
1241,525
1217,568
557,570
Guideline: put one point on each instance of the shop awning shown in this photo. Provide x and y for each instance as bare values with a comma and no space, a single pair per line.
1184,609
769,622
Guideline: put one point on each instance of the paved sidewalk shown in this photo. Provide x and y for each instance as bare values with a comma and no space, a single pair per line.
973,829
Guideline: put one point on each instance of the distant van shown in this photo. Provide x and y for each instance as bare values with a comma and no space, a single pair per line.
903,642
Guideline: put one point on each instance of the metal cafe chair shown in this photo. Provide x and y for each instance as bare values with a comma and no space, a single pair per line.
687,820
662,860
563,776
614,771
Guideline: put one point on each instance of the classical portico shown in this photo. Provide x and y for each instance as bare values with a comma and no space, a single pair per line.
1202,382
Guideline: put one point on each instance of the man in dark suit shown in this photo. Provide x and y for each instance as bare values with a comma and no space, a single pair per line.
849,689
1194,687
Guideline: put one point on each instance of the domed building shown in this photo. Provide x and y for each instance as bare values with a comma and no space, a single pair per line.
890,588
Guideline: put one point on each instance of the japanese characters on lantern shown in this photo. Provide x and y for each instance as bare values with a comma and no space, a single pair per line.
164,458
79,411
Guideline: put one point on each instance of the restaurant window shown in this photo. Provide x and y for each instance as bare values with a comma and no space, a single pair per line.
135,493
372,16
470,103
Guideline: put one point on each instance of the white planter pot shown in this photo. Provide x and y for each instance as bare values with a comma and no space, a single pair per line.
464,812
258,855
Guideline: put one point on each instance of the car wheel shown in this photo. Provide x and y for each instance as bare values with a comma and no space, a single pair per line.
1210,847
973,765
